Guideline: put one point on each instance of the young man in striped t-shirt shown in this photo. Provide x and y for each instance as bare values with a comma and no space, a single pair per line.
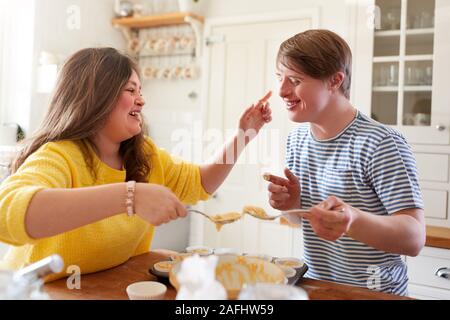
358,176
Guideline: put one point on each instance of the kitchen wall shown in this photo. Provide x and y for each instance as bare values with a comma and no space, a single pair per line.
64,26
59,29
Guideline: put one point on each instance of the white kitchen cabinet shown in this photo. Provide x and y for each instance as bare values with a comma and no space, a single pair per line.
402,68
424,283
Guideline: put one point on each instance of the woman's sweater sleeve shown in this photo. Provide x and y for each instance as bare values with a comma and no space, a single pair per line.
46,168
182,178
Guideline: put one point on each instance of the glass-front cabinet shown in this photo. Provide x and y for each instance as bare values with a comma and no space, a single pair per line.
410,53
401,77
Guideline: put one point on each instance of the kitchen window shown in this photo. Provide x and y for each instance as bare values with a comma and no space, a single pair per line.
16,60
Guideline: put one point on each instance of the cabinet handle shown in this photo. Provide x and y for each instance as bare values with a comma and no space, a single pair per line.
440,127
443,273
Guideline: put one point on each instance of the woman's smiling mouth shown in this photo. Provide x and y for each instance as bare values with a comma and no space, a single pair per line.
136,114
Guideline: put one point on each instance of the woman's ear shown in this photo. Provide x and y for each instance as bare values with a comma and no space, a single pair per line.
336,81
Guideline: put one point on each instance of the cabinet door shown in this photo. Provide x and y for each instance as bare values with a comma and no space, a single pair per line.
423,281
427,293
402,67
242,68
419,129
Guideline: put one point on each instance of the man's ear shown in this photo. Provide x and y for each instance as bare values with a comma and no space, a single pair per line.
336,81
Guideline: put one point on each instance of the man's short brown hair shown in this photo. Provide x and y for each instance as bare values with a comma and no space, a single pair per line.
319,54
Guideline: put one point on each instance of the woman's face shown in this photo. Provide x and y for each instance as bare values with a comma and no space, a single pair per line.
306,98
125,120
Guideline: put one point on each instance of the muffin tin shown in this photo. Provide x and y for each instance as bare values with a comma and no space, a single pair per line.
294,268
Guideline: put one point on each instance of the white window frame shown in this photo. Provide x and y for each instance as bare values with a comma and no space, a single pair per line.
16,60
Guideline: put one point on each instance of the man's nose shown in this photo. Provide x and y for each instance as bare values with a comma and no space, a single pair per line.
284,89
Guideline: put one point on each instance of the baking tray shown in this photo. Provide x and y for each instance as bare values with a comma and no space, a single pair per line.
299,273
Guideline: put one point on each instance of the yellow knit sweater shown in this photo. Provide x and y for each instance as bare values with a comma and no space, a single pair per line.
97,246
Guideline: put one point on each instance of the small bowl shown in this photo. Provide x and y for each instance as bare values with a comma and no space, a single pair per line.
162,268
222,251
261,256
289,262
288,271
146,290
180,256
200,250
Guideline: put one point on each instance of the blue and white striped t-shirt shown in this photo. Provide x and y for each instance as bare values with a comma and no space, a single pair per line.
371,167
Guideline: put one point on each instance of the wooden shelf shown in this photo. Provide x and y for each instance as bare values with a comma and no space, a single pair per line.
419,57
416,57
386,59
418,88
166,19
387,33
410,32
385,89
397,33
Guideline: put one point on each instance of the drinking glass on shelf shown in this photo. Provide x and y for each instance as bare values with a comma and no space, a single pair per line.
420,76
376,76
384,75
428,75
409,76
408,119
392,79
422,119
415,76
392,20
423,20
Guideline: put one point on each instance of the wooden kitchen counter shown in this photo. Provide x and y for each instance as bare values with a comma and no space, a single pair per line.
111,284
438,237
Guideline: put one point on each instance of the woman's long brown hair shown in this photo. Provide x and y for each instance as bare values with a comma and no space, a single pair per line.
88,88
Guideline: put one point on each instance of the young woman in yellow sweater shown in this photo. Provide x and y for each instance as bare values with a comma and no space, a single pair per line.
90,185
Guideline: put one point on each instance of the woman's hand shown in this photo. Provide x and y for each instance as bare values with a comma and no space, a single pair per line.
331,218
284,194
255,117
157,204
214,173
